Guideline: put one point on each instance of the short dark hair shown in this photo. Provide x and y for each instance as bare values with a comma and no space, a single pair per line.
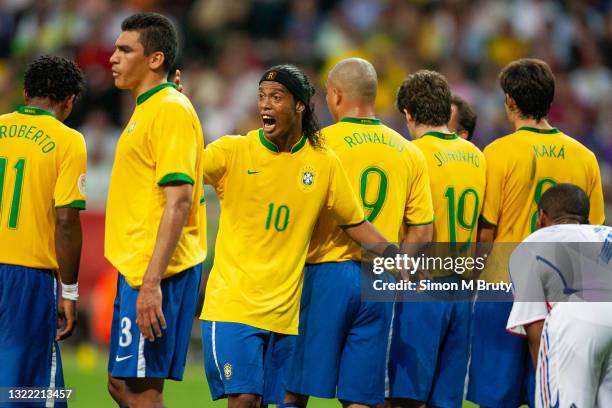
531,83
156,34
467,116
427,97
310,123
53,77
566,200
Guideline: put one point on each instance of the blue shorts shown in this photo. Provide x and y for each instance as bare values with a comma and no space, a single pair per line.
429,349
29,354
242,359
130,355
343,341
501,373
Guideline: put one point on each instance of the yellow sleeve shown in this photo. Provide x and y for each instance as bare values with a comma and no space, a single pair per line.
419,204
174,144
493,190
595,193
341,198
70,185
217,157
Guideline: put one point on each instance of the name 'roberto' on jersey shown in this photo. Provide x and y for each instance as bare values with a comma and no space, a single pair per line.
28,133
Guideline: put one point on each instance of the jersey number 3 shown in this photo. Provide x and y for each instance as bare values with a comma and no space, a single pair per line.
17,189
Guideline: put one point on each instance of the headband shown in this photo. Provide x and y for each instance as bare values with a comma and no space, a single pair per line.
289,81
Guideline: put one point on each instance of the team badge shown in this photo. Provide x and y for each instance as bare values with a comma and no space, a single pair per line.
132,126
82,184
271,76
227,370
308,176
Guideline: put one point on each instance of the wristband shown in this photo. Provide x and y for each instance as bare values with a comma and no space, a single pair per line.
70,292
391,251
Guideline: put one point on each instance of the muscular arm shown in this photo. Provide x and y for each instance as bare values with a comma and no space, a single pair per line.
366,235
149,315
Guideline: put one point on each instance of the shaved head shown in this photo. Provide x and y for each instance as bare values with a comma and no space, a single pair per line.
356,78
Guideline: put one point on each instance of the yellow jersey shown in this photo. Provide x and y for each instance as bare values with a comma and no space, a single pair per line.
162,143
270,202
457,172
520,168
390,175
42,167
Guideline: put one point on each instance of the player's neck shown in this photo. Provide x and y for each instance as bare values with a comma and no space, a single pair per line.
519,122
420,130
149,82
45,104
286,142
357,111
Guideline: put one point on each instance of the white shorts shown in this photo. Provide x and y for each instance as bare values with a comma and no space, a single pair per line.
575,360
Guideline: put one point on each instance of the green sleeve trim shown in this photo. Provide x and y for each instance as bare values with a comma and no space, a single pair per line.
421,223
485,221
172,177
353,225
79,204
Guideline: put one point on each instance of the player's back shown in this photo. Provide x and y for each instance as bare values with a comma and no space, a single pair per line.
523,165
457,172
42,167
389,175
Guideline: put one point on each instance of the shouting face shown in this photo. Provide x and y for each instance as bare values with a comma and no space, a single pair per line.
280,113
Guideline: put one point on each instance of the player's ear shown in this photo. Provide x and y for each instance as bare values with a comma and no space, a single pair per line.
409,117
300,107
510,102
541,221
156,60
26,98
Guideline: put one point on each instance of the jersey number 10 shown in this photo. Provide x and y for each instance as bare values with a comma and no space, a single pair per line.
17,189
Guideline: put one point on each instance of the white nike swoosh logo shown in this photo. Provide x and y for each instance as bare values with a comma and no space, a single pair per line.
119,359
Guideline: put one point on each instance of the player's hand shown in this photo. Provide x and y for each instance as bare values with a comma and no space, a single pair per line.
149,315
177,81
66,318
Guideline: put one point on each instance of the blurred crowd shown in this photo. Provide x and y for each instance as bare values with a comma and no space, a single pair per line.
226,45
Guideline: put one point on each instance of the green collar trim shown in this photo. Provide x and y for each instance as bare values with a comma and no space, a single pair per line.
274,148
31,110
440,135
536,130
146,95
362,121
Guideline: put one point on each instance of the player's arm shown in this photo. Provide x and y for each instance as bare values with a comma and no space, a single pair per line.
149,315
534,333
366,235
68,242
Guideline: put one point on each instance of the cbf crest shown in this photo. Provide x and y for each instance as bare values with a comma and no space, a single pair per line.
227,371
308,178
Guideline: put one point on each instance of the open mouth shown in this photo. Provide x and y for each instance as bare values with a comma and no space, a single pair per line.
269,123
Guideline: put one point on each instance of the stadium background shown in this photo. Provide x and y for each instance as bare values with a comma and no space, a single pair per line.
226,45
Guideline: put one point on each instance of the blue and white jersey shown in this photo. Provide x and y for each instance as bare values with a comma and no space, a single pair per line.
562,263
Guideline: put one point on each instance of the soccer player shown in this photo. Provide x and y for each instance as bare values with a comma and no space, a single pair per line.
272,185
520,168
42,190
566,266
463,118
429,346
155,217
341,341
